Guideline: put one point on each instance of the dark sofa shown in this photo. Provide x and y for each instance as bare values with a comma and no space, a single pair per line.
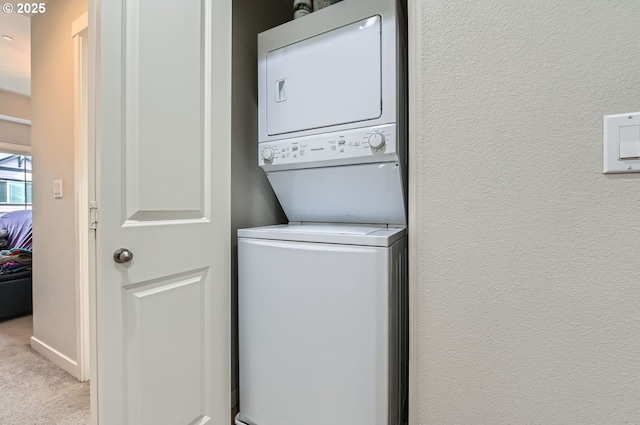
15,295
15,287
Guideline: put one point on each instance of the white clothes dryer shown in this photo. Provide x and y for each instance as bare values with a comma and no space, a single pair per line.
332,113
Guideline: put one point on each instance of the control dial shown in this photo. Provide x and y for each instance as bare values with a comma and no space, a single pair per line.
376,140
268,154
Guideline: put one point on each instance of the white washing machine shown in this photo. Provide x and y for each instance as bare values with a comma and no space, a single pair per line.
322,325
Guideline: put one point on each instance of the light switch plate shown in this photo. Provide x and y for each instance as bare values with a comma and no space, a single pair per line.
57,188
619,144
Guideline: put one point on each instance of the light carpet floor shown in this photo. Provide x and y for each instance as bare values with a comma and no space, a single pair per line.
34,391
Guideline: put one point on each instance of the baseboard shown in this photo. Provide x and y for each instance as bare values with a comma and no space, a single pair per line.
56,357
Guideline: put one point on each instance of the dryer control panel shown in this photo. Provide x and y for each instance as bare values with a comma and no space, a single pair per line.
364,145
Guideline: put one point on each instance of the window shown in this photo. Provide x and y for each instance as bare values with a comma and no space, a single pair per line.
19,193
15,183
3,192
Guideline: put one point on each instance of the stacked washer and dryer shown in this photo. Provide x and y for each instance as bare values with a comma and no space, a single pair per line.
322,301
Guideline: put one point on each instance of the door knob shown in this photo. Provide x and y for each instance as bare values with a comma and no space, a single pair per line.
122,255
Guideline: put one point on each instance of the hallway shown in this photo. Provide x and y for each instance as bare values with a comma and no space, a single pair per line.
32,389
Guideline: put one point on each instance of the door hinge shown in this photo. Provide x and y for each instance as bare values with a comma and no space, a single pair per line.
93,215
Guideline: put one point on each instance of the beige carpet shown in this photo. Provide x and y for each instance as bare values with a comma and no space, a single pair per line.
34,391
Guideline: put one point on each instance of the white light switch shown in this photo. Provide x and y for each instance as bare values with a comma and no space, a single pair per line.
630,142
621,143
57,188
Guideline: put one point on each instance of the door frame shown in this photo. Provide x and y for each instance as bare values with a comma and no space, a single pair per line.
84,173
92,311
85,276
412,53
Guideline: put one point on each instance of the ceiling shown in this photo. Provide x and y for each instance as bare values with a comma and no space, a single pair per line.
15,56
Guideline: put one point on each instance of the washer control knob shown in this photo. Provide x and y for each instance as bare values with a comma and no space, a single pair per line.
268,154
376,140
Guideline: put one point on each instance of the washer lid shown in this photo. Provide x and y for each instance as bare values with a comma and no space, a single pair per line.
346,234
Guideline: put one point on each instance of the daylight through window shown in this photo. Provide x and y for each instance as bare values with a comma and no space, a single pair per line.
15,182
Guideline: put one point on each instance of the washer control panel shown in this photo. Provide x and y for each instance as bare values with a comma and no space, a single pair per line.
360,145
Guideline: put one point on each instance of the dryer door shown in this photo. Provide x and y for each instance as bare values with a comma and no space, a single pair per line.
330,79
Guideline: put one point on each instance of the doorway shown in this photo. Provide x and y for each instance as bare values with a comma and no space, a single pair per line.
62,276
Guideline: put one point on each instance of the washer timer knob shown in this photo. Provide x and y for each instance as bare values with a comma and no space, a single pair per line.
268,154
376,140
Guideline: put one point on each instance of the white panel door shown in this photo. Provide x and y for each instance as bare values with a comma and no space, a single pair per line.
330,79
162,127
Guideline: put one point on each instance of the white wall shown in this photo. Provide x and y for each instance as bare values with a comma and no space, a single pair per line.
252,200
54,226
527,287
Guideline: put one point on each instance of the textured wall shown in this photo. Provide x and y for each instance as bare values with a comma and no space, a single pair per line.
527,280
52,131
